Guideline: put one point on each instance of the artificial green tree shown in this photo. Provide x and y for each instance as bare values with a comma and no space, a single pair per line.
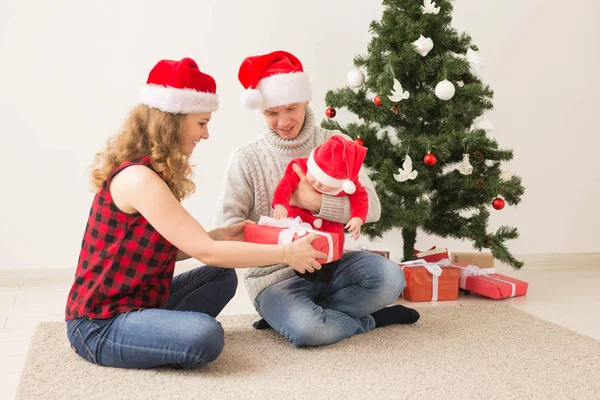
421,108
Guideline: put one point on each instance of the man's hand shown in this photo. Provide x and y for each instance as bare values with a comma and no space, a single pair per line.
234,232
354,227
305,196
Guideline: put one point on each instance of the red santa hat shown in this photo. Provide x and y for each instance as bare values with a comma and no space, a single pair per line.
336,163
179,87
274,79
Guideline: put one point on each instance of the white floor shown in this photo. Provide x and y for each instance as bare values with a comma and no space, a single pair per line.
566,295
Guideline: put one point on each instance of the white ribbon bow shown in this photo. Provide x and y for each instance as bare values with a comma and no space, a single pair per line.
295,226
472,270
434,268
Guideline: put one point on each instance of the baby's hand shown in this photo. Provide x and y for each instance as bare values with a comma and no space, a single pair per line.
354,227
280,212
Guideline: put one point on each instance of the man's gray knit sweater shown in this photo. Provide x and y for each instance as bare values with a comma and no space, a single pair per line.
253,172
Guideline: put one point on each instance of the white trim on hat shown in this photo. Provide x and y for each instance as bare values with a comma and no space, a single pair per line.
178,101
320,175
284,89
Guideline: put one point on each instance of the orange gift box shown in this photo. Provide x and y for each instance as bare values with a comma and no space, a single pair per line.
265,234
423,285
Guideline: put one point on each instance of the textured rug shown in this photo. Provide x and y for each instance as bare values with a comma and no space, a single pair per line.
489,351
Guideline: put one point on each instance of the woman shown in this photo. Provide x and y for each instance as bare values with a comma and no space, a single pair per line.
125,309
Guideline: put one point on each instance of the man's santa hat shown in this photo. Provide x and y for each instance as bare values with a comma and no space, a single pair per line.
274,79
179,87
336,163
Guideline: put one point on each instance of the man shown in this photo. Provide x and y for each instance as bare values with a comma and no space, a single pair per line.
306,313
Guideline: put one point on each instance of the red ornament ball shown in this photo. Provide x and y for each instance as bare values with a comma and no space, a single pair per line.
498,203
330,112
359,141
430,159
377,100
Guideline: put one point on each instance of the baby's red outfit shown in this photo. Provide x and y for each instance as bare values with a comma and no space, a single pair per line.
359,202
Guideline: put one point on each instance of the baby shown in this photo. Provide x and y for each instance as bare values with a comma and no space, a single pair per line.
332,170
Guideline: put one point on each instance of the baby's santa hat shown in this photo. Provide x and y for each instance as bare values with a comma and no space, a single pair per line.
179,87
274,79
336,163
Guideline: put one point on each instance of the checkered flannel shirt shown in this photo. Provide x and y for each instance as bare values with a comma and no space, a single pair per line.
124,263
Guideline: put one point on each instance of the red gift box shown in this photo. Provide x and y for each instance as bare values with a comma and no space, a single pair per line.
433,254
382,253
487,283
264,233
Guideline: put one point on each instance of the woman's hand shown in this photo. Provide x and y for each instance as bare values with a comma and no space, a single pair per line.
301,256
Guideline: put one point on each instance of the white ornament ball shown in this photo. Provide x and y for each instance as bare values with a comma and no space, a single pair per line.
355,78
445,90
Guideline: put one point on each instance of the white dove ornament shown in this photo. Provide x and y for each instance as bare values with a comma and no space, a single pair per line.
505,176
483,123
423,45
429,7
475,62
398,93
465,166
406,172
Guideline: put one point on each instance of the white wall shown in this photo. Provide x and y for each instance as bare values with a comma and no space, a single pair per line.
71,70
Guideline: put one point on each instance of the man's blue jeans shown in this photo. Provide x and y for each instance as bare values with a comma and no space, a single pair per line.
184,333
312,313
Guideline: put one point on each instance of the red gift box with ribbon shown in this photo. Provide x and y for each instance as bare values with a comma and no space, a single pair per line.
282,231
430,281
486,282
433,254
364,247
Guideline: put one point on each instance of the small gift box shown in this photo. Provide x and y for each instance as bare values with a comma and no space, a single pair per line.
385,254
482,260
282,231
487,283
428,281
433,254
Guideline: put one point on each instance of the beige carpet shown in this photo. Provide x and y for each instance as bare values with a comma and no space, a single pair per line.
489,351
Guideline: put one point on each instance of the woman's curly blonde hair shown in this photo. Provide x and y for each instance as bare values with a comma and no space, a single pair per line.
154,133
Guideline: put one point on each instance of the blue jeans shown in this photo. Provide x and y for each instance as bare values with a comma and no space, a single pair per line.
312,313
184,333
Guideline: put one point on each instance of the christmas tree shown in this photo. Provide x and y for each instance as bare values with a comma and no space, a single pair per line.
422,109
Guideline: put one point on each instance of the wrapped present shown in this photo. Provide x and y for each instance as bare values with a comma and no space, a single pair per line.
282,231
382,253
482,260
486,282
428,281
433,254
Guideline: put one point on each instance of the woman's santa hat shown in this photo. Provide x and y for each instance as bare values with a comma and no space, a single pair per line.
274,79
336,163
179,87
